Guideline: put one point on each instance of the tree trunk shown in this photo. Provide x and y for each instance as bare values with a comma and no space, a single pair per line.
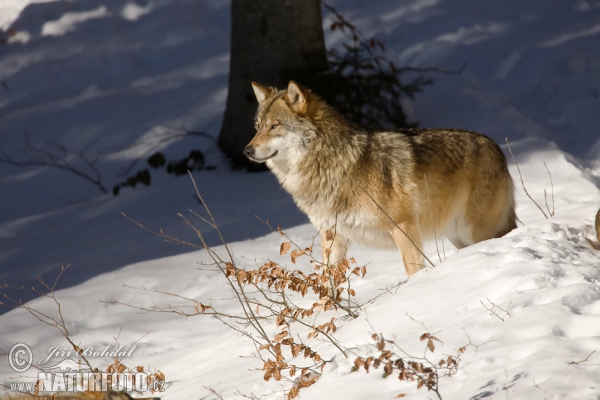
270,41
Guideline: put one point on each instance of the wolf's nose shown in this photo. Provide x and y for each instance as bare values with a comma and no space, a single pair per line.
249,151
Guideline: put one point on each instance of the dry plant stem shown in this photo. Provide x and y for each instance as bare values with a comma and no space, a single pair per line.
240,292
179,310
213,391
45,158
278,230
410,368
443,248
327,335
347,309
167,238
523,183
359,39
251,396
431,217
267,294
57,321
552,188
237,288
249,316
328,264
247,304
116,339
495,307
582,361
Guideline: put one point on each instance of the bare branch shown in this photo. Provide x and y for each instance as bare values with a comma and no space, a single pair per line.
582,361
57,156
523,183
552,187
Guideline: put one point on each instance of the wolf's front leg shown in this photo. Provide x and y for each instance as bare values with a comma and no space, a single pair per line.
410,248
334,250
334,246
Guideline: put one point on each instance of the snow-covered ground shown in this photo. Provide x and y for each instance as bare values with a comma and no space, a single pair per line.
116,78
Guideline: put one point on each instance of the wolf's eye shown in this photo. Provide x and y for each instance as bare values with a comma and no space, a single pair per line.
274,126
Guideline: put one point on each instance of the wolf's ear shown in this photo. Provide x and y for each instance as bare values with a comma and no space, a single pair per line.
296,98
261,92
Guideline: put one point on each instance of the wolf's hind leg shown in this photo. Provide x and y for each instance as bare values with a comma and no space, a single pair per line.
490,208
411,254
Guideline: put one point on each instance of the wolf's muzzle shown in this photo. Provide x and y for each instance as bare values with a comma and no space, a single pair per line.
249,152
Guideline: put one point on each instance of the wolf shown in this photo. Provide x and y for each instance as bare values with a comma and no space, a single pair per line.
381,188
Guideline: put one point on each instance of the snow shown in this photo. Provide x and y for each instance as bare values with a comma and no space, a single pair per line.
118,80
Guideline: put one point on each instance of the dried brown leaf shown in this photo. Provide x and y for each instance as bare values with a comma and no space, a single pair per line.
296,350
368,362
430,345
402,376
293,393
328,235
280,320
285,247
343,265
389,368
359,362
268,375
307,352
295,254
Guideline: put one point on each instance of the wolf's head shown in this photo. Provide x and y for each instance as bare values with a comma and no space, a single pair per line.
283,123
